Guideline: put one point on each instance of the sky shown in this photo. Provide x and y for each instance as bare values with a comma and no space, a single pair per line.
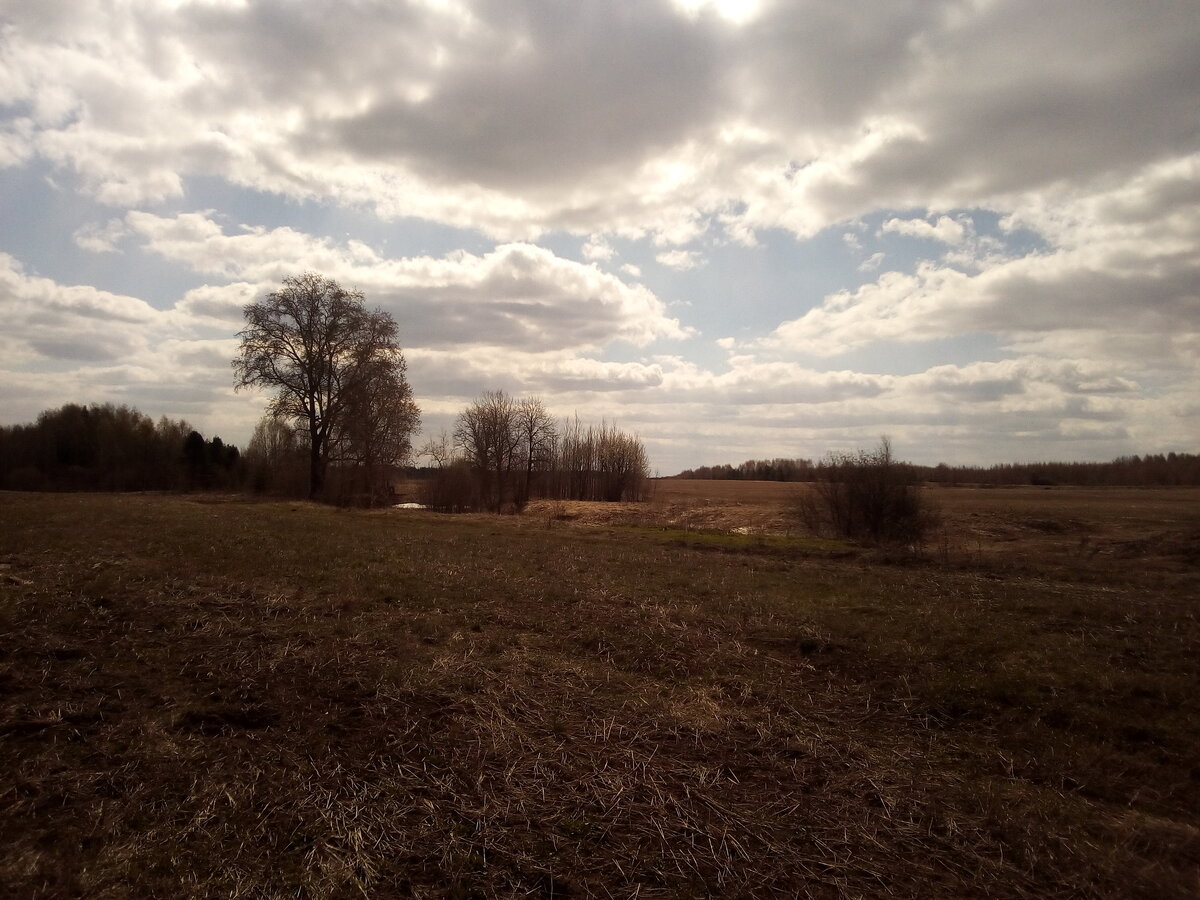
738,229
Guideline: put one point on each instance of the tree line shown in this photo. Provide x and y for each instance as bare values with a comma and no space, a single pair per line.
341,402
102,447
779,469
1152,469
1170,469
505,451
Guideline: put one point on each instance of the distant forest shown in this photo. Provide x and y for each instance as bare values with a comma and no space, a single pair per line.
112,448
1171,469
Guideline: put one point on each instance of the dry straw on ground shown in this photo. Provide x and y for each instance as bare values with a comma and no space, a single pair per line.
280,700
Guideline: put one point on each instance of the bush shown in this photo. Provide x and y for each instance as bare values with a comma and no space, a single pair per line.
866,495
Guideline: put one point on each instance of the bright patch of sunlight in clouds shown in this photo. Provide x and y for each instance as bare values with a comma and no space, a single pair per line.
739,12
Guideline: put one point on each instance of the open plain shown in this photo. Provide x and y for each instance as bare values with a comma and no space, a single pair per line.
689,697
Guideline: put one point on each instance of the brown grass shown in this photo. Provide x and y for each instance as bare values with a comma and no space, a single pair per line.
1134,530
270,700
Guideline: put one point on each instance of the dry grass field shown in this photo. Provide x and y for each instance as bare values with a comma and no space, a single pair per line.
1137,530
214,697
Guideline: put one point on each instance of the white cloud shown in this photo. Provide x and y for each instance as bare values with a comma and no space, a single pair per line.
173,362
74,343
220,305
444,373
1119,284
597,249
101,238
46,321
872,262
669,124
738,12
680,259
945,229
518,295
979,412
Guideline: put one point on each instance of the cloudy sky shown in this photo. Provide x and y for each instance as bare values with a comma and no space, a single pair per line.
740,229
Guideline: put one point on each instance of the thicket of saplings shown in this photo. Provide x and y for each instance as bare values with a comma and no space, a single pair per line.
277,463
570,462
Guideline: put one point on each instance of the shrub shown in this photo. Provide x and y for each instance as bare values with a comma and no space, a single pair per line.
866,495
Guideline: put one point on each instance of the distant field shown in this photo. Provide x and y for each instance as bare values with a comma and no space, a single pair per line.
684,698
755,492
1116,506
1061,524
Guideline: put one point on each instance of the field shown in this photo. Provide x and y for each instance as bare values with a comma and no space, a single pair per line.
212,696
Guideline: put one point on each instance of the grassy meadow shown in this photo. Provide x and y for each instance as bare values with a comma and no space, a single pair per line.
217,697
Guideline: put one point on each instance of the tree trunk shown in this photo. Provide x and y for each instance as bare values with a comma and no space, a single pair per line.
316,468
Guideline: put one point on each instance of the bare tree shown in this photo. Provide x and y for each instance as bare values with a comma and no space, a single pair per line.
512,450
621,463
575,461
452,486
487,433
439,450
537,434
322,352
276,457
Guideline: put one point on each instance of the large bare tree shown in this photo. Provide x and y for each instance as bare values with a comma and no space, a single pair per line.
335,367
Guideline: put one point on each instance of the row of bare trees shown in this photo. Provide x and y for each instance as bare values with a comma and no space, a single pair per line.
505,451
598,463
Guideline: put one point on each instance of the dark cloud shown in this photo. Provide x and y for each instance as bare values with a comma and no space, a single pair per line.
81,348
552,93
1025,94
816,65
